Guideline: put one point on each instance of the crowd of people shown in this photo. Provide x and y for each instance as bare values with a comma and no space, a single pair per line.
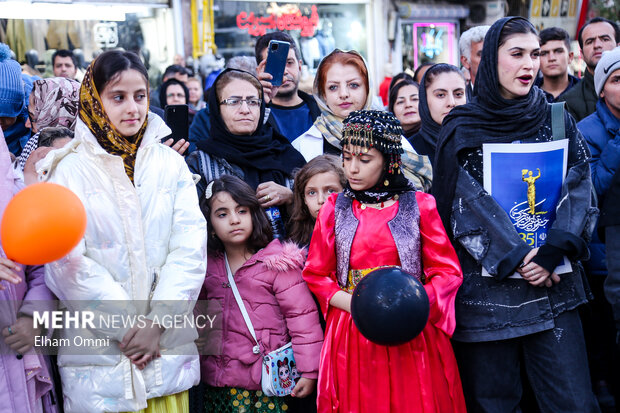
279,202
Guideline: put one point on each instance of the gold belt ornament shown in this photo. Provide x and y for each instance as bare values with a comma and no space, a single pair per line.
355,276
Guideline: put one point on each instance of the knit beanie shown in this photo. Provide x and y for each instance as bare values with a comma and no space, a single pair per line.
11,85
609,63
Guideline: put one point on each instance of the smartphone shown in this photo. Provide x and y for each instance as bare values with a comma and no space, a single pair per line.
177,118
277,53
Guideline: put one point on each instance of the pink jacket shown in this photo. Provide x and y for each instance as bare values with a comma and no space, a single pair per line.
280,307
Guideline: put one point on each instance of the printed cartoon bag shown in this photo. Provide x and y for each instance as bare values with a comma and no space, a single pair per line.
279,372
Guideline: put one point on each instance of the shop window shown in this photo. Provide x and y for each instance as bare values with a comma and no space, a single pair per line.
317,28
429,42
148,33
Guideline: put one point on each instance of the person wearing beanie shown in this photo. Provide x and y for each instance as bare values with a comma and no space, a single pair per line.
601,130
382,221
13,111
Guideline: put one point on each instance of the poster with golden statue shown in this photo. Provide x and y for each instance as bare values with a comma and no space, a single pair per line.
525,179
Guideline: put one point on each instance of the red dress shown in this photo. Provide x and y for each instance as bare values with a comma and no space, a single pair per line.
356,375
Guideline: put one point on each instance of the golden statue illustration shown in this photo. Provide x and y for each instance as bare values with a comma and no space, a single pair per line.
531,189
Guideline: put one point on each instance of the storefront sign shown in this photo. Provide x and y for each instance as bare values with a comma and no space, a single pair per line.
290,20
555,13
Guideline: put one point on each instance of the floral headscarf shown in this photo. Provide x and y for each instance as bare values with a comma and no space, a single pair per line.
93,114
54,103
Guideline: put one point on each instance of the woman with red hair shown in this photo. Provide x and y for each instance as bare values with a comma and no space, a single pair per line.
342,85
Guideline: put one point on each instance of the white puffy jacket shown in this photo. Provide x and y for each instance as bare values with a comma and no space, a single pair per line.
144,242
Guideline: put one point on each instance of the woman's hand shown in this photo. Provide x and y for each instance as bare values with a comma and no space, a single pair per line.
535,274
21,335
9,271
270,194
141,345
30,170
269,90
341,300
304,388
181,145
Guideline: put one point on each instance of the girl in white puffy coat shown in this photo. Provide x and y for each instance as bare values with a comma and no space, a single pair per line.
145,242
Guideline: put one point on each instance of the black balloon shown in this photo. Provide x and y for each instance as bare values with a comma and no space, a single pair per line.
390,306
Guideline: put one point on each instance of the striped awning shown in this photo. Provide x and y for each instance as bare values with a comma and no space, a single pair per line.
419,11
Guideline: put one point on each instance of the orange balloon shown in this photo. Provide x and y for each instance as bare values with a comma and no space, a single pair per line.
42,223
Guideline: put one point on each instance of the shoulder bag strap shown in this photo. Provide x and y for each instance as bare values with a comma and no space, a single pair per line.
557,121
246,317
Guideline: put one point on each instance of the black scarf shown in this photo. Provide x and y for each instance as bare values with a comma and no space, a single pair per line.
489,118
398,184
429,129
265,155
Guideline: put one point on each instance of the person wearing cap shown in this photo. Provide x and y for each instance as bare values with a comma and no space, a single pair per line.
602,132
13,112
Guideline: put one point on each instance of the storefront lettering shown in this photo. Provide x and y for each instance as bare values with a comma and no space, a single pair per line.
258,25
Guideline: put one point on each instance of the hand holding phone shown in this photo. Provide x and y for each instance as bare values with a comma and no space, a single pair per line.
277,54
177,118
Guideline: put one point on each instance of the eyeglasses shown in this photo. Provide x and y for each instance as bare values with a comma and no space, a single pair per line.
236,102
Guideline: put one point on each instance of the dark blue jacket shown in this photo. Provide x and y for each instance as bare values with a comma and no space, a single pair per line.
600,131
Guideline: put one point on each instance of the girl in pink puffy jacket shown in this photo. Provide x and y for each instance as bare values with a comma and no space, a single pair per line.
268,276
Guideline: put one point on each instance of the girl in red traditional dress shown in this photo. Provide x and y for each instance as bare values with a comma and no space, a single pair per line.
380,220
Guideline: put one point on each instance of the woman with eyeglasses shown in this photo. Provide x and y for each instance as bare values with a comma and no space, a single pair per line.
240,144
173,92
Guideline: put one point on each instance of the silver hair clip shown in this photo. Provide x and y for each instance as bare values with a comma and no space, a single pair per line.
209,190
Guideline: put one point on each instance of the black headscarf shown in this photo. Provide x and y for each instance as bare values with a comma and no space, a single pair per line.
427,137
163,91
489,118
429,129
265,155
382,131
406,80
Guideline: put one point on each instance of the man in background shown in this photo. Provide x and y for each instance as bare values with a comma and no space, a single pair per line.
470,47
555,56
64,64
595,37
